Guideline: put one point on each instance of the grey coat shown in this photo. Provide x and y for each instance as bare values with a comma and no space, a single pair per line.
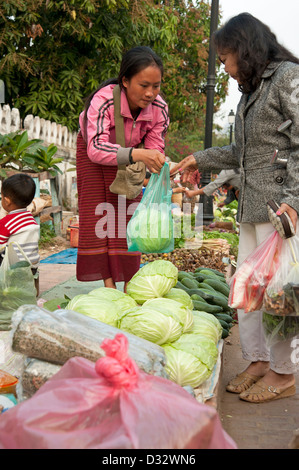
256,137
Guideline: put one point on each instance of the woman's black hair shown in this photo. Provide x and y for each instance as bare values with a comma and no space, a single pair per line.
134,61
20,188
255,45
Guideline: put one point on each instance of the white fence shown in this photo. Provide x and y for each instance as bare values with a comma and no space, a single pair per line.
50,133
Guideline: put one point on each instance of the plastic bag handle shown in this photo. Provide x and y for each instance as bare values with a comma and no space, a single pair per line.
21,250
292,251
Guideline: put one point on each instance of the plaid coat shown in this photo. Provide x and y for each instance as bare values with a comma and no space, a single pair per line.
257,137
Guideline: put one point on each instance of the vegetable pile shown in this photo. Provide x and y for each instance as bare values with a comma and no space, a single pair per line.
156,309
209,292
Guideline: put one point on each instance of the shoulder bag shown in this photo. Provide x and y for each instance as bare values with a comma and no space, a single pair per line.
129,178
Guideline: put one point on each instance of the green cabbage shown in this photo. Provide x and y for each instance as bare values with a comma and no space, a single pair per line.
180,296
152,324
184,368
207,325
100,309
151,229
153,280
122,300
171,307
190,359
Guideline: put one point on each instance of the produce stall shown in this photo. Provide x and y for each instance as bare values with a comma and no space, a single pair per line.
174,316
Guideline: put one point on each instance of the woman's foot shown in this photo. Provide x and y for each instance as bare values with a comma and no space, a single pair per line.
271,387
109,283
243,381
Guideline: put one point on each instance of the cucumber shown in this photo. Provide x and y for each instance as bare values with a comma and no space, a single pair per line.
179,285
190,283
207,270
197,297
218,300
198,277
204,294
224,317
225,333
182,274
204,306
223,324
218,285
205,286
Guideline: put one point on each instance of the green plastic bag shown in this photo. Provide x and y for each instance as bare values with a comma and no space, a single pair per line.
150,229
16,285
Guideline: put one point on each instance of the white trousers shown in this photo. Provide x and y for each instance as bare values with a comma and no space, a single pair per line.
253,342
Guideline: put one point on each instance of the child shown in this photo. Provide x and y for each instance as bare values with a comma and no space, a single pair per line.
18,225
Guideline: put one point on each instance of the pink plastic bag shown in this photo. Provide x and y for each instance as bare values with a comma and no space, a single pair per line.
248,285
111,404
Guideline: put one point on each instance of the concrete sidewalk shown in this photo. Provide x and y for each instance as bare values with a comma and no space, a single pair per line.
252,426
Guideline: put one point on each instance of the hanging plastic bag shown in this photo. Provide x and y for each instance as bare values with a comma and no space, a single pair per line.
281,299
111,405
150,229
248,284
17,285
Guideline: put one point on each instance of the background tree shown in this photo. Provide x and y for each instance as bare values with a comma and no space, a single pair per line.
55,53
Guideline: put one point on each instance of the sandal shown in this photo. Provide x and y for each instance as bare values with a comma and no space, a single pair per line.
242,382
261,392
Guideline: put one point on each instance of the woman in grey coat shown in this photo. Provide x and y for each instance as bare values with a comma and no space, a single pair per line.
268,77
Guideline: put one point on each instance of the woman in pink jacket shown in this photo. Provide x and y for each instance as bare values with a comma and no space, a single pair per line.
103,216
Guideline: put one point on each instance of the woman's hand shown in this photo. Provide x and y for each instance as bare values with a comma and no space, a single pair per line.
153,159
185,167
290,211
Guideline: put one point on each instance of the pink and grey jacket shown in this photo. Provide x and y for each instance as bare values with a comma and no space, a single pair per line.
99,133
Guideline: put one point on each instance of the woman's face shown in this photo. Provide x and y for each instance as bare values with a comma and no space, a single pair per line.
143,88
229,60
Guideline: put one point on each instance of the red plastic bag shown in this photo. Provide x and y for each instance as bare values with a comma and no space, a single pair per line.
248,285
111,404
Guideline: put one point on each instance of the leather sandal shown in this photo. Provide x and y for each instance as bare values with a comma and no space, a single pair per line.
261,392
242,382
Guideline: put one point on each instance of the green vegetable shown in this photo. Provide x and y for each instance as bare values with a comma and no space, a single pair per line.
190,359
122,300
150,230
190,283
223,316
218,286
173,308
158,325
280,328
181,286
153,280
20,264
207,325
205,307
180,296
211,271
100,309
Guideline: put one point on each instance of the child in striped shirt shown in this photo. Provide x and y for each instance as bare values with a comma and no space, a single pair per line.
17,192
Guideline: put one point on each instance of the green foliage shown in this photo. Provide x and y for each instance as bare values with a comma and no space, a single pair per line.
55,53
17,152
231,237
47,233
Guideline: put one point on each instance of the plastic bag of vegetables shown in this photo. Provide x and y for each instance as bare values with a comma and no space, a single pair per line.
153,280
150,229
16,284
158,320
190,359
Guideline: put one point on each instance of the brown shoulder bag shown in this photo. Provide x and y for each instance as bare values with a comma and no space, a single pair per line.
129,178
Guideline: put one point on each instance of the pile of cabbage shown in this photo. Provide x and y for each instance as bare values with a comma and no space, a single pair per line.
154,310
